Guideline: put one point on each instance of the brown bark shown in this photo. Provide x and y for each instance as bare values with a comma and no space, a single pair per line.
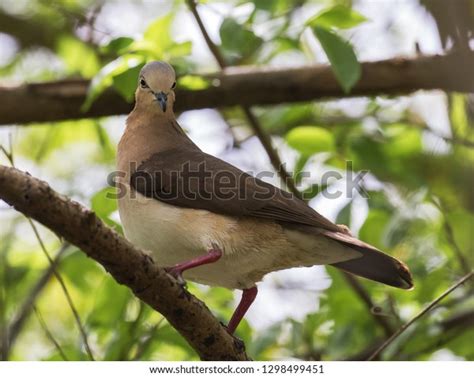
127,264
247,86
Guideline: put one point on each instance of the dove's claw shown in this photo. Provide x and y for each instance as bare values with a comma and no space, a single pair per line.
177,274
345,229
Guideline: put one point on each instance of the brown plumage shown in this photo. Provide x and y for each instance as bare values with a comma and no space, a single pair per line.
179,203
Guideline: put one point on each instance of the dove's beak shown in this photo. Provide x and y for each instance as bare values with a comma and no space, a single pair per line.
162,99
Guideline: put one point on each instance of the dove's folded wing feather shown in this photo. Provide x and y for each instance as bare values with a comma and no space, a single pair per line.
193,179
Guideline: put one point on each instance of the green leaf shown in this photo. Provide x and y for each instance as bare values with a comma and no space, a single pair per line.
343,59
104,78
102,202
462,234
126,82
41,141
459,115
404,141
122,73
78,56
237,40
192,82
107,148
344,215
117,46
299,166
264,341
179,49
158,33
373,230
339,16
15,273
313,190
309,140
80,270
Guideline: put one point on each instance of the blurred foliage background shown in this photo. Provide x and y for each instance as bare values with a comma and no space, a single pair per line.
417,148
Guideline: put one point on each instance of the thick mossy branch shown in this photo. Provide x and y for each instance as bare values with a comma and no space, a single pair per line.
127,264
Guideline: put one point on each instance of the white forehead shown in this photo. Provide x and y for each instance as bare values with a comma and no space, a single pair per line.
158,71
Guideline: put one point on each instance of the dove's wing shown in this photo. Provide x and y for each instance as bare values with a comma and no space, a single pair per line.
191,178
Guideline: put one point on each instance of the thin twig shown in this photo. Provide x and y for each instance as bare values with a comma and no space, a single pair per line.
49,334
457,141
4,330
124,352
143,346
7,154
402,329
271,152
439,343
210,44
463,262
365,297
25,310
65,290
465,265
251,118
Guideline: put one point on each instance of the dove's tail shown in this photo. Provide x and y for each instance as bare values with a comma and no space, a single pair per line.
374,264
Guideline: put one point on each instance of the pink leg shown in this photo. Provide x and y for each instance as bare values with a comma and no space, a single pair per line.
212,256
248,296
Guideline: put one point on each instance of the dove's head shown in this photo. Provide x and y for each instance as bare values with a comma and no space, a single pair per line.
155,87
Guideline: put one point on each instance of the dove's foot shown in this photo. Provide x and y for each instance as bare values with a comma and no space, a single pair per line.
345,229
212,256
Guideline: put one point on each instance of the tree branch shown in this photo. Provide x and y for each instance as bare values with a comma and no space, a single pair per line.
463,319
126,263
67,295
451,327
246,86
216,52
402,329
49,334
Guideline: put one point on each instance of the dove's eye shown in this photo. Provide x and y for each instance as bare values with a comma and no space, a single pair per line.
143,84
173,86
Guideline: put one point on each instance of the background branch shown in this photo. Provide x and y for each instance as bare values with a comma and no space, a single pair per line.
402,329
49,334
62,284
23,313
364,296
127,264
246,86
451,328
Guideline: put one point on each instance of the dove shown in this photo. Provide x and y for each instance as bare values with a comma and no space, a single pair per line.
209,222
